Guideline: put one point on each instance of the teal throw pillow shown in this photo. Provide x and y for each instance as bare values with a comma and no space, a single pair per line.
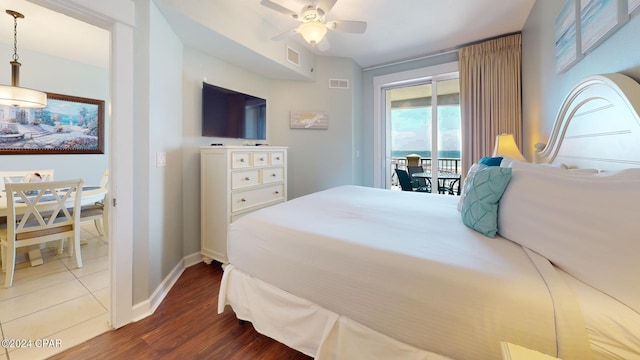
491,161
480,203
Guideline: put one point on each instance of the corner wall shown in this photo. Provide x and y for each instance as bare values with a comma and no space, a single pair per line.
320,159
158,128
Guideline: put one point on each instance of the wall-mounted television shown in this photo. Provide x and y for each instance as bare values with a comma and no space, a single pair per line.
232,114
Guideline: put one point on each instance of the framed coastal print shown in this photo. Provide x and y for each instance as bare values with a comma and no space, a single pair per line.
309,120
67,125
567,52
598,20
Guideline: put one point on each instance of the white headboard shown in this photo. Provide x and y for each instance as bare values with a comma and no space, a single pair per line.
598,125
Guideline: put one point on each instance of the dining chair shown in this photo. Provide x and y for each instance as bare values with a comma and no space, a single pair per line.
21,175
38,213
98,212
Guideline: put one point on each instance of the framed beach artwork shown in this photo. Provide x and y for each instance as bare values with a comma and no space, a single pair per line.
67,125
309,120
566,37
598,20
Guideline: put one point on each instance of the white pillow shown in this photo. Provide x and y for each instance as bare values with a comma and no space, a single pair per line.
586,225
516,164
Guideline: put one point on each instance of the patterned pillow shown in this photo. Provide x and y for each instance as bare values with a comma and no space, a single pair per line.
467,182
480,204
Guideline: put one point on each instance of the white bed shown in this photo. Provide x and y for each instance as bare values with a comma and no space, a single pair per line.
361,273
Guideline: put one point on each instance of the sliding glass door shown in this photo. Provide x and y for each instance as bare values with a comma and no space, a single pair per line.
422,122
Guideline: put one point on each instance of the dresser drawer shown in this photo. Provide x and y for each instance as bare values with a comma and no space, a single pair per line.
260,159
276,157
246,199
240,160
271,175
242,179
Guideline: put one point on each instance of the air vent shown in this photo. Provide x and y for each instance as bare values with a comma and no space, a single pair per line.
293,56
338,83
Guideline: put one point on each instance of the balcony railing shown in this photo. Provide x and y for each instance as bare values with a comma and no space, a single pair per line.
451,165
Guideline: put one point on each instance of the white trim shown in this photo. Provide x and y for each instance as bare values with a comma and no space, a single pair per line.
147,307
379,134
121,172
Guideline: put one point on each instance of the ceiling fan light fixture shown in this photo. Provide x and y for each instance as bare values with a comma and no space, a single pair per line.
14,95
312,32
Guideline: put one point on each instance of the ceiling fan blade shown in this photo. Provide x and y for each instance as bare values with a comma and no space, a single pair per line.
323,45
325,5
357,27
281,9
283,35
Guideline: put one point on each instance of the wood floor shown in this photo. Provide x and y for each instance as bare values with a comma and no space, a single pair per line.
186,326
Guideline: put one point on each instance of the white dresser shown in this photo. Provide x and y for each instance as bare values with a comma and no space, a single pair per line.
236,180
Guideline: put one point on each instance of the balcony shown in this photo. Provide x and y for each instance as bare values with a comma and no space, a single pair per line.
449,165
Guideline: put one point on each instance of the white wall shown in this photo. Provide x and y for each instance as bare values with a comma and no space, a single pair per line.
543,90
320,159
158,128
165,136
62,76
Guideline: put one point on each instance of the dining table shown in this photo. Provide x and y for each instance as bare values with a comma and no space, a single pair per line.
90,195
447,181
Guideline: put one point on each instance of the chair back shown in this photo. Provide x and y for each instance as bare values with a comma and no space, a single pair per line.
104,179
404,179
24,176
43,210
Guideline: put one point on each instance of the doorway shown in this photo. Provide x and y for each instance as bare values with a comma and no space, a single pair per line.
418,117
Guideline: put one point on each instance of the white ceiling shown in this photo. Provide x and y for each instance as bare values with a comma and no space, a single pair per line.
397,30
406,29
52,33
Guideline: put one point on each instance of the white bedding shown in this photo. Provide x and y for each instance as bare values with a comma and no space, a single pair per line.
400,264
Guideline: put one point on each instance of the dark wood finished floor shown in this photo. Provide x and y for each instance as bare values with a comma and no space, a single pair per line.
186,326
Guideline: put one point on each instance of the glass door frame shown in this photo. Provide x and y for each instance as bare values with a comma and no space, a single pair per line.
381,141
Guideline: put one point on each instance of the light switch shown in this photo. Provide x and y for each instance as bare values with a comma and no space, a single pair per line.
161,159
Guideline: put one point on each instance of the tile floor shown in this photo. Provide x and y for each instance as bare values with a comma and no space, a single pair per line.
56,305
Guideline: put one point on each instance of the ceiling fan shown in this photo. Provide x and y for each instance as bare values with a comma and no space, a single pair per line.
313,28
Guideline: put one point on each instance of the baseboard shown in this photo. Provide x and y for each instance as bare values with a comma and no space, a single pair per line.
147,307
192,259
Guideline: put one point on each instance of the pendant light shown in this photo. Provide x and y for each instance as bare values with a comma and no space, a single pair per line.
14,95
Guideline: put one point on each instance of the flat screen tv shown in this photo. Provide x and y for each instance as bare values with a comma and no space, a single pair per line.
231,114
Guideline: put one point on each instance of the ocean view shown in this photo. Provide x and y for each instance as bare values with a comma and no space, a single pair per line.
452,154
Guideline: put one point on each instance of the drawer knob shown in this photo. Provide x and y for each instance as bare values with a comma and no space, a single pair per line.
274,175
243,200
247,178
277,157
277,192
242,160
261,159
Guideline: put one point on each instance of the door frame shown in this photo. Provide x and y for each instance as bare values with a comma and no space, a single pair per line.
118,17
381,143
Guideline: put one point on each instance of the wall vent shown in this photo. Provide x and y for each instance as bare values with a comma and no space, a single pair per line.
293,56
338,83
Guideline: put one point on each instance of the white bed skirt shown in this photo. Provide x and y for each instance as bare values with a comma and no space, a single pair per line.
305,326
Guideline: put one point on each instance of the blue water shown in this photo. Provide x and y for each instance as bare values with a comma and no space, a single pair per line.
453,154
